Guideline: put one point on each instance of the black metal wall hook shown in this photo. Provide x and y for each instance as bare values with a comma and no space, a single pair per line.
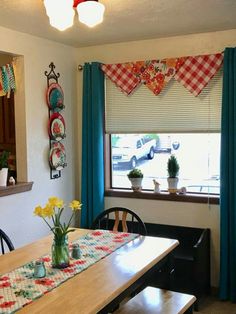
52,74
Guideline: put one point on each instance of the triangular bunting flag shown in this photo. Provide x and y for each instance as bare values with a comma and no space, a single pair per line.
197,71
156,73
121,76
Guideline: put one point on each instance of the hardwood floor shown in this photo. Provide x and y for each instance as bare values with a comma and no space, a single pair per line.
212,305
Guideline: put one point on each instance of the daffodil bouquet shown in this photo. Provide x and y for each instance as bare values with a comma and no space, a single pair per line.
53,210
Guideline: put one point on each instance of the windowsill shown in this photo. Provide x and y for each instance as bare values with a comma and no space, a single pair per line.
165,196
17,188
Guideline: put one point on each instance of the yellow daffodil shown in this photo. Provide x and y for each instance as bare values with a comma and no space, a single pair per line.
38,211
55,201
53,210
75,205
48,211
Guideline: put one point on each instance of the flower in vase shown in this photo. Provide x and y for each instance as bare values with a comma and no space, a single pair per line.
53,211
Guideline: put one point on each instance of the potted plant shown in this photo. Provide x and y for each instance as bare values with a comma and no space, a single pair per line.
173,171
4,156
136,176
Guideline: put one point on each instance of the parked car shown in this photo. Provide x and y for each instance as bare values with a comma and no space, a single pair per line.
129,149
164,144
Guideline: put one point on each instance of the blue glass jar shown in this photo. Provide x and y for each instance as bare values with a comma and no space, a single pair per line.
39,269
76,254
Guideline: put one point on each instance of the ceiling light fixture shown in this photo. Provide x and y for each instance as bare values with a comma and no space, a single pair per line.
61,12
90,12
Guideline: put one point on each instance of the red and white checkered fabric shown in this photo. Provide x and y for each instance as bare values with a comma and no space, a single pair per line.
121,76
197,71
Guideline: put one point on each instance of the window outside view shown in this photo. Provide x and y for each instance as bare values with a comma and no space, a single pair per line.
198,156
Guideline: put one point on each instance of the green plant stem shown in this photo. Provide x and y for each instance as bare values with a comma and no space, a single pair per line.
70,220
49,225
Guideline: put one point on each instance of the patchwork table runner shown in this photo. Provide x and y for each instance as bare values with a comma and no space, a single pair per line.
19,287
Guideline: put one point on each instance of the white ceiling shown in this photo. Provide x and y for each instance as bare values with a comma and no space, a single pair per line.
125,20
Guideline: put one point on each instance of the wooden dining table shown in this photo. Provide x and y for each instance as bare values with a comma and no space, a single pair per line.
100,287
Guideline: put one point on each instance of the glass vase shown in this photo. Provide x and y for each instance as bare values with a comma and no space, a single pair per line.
60,252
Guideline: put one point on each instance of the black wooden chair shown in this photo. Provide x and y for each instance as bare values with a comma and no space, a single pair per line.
109,219
5,242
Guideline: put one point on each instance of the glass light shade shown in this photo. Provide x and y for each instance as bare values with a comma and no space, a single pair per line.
90,13
62,22
60,13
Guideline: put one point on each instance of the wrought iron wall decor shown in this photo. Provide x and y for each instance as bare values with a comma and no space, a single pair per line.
56,123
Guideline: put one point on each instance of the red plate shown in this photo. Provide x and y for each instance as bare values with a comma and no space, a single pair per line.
57,127
58,145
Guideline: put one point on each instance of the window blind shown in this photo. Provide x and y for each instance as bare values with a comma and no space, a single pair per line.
175,110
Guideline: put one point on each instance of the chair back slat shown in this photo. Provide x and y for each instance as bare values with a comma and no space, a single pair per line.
2,246
134,224
107,220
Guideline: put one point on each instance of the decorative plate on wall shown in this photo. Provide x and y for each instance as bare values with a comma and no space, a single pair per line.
57,158
59,145
57,127
55,97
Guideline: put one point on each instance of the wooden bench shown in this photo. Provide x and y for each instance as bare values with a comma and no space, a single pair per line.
159,301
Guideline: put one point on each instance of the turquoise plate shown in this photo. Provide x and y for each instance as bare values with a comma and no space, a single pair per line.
55,97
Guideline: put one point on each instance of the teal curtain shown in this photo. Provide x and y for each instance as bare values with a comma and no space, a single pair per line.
228,180
92,180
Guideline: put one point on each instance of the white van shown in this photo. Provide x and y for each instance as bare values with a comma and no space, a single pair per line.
130,148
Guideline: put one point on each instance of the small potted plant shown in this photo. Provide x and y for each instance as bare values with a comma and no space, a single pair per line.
136,176
4,156
173,171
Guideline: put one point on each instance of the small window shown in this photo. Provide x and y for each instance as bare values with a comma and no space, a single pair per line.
198,156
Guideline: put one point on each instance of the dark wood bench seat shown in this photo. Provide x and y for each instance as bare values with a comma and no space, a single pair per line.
159,301
191,260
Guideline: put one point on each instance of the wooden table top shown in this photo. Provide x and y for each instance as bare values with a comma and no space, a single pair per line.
89,291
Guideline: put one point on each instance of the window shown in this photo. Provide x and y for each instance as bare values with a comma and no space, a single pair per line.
197,154
145,129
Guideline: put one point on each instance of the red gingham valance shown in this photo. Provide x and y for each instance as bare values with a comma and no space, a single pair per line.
194,73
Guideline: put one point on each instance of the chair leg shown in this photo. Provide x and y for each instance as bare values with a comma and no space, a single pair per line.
195,306
189,311
115,308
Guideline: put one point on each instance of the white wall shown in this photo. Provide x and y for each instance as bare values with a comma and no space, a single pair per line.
189,214
16,211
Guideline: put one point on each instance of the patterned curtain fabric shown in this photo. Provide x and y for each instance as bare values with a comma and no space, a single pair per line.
228,180
196,72
155,74
193,73
124,79
92,143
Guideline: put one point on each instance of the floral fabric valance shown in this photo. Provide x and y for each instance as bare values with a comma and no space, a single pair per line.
194,73
7,79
